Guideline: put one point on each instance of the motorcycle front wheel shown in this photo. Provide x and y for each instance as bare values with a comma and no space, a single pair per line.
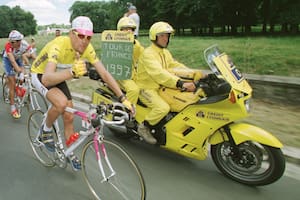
250,163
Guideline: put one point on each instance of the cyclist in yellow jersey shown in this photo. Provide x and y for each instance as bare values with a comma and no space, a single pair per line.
72,50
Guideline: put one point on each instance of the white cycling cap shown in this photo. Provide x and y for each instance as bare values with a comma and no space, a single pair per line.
83,25
15,35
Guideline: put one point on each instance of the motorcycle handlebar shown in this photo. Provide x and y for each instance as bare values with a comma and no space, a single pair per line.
118,110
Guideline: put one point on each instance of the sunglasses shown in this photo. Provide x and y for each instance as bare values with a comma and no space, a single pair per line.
15,41
80,36
127,29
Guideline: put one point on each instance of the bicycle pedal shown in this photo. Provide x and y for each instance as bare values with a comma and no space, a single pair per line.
74,162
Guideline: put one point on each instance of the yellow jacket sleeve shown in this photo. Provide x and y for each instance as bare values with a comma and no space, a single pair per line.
137,51
153,69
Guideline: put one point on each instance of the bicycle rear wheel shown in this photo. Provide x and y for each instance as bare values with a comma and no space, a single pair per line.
127,183
3,78
5,92
36,101
34,124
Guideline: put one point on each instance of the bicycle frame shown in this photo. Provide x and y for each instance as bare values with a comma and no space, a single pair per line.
86,118
29,93
28,87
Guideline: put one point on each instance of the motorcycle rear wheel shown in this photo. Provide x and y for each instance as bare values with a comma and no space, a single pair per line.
254,164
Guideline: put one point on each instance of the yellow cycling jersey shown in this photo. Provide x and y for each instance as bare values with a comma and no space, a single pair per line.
153,67
60,51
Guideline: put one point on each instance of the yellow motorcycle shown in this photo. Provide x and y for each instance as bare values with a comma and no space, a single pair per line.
208,118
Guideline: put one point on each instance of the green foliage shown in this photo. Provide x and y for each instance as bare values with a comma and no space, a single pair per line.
16,18
233,16
95,11
5,21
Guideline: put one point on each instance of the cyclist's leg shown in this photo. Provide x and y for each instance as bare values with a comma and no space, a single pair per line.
11,83
69,130
53,95
65,100
68,119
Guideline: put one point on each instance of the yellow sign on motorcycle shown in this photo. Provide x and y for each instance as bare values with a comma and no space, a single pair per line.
116,53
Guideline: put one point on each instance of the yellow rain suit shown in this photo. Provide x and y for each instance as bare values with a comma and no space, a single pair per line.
153,73
130,87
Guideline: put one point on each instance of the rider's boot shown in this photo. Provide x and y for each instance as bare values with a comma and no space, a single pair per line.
144,132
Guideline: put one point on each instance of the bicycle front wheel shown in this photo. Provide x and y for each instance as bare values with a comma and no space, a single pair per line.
126,183
34,124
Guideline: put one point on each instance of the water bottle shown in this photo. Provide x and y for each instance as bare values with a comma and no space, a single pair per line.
72,139
20,91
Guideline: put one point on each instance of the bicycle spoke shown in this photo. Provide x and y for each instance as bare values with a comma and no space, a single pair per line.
126,183
39,149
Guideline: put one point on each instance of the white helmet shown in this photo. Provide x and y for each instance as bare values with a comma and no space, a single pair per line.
15,35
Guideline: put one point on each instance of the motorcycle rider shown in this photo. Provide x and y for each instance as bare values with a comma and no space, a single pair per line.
129,85
154,72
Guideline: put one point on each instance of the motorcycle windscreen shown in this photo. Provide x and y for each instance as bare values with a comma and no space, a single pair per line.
232,75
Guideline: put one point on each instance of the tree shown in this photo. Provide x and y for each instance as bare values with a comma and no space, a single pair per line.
16,18
5,21
23,21
289,16
201,16
94,10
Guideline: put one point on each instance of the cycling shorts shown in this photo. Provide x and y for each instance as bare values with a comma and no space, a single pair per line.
9,69
37,83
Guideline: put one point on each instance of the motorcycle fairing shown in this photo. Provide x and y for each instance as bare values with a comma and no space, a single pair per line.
188,131
231,73
221,64
242,132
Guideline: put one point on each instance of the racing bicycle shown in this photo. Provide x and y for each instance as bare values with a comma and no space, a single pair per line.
25,94
109,171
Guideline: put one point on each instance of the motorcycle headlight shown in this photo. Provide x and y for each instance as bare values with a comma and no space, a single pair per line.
247,105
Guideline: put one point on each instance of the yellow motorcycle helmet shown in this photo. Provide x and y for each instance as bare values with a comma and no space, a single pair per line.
160,27
126,22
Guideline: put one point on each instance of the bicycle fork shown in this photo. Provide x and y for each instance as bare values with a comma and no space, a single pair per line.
98,156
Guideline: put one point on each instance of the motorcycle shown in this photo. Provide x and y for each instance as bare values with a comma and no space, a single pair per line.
209,118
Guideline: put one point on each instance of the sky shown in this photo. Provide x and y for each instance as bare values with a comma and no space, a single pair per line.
45,11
